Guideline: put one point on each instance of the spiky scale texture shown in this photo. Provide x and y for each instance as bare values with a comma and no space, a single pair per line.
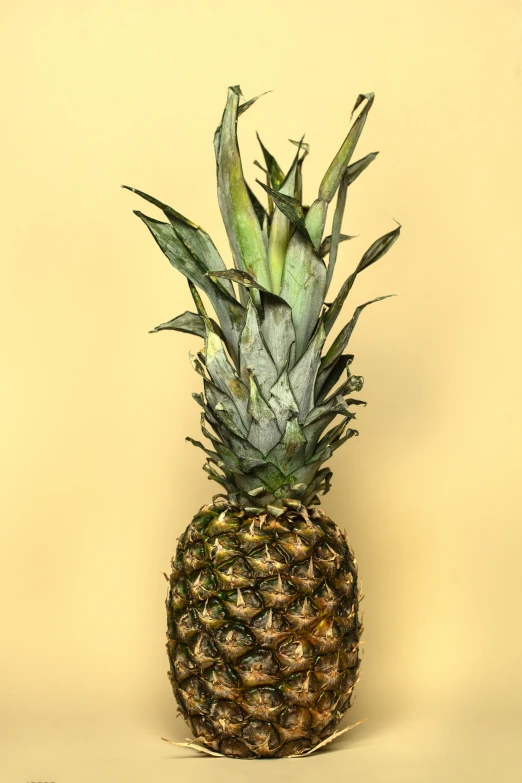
263,629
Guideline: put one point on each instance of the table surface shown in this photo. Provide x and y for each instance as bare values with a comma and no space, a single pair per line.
419,748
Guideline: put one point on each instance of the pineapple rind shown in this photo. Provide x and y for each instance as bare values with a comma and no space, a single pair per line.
263,629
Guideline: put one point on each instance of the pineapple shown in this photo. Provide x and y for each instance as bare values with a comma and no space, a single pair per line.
263,625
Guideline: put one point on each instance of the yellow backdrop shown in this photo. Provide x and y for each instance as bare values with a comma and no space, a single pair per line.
97,479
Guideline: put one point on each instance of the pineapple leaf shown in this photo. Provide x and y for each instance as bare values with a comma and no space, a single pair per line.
238,276
193,237
351,384
188,322
321,483
197,365
216,396
376,251
264,432
303,374
334,434
200,307
274,170
342,339
224,375
315,220
314,430
336,227
211,454
354,169
303,287
243,229
289,206
253,353
332,178
247,104
334,405
327,379
259,209
280,228
282,400
340,441
230,313
288,453
349,176
228,422
277,326
302,145
326,244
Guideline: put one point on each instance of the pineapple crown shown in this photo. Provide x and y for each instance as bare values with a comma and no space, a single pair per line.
271,389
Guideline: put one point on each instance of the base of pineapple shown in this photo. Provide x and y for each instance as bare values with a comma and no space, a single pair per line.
263,630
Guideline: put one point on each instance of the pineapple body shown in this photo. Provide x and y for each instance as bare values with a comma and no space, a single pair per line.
263,629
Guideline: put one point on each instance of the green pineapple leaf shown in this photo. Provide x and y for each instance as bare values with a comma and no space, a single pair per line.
326,244
336,227
230,313
264,432
277,326
288,453
303,374
376,251
259,209
242,225
247,104
335,171
354,169
212,455
342,339
289,206
254,355
315,220
303,145
274,170
349,176
280,227
224,375
327,379
193,237
282,400
188,322
215,397
303,287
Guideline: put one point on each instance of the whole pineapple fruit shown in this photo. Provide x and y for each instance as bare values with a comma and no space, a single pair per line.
263,626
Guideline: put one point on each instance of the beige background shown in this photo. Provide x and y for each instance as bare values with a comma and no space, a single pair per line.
98,481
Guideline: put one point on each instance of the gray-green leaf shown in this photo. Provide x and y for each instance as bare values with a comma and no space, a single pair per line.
192,323
243,229
264,432
282,400
230,313
224,375
376,250
341,341
254,355
326,244
275,172
303,287
303,374
332,178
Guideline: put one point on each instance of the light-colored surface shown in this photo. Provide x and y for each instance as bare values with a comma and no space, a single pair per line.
97,480
417,750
